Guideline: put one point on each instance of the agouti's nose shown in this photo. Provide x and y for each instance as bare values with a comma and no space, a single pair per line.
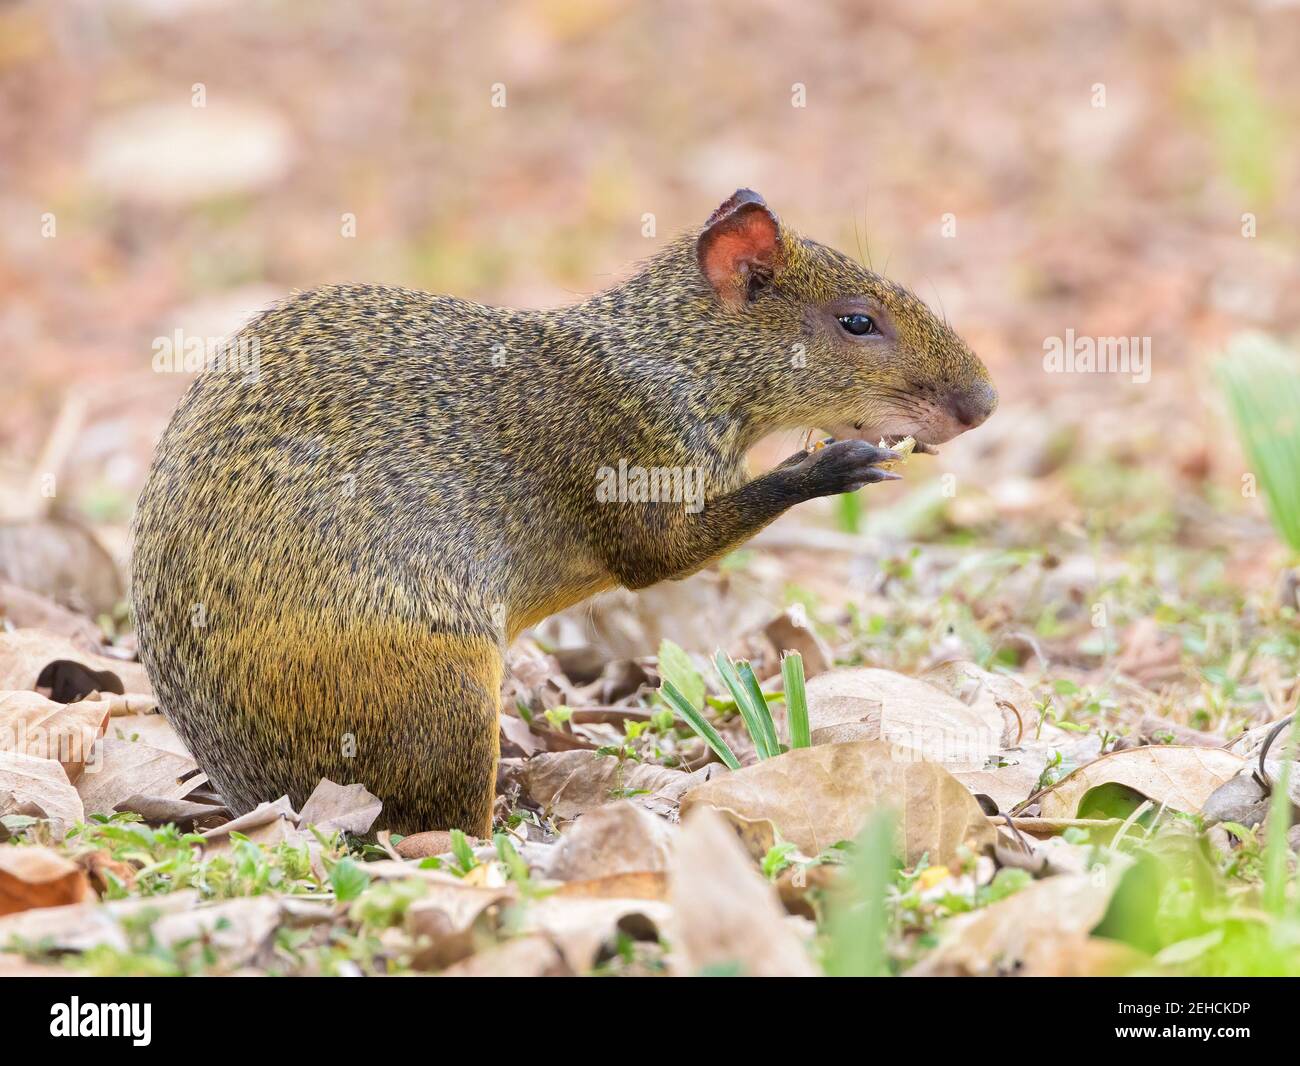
974,403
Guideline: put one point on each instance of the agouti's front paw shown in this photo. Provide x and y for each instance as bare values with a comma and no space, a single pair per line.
845,466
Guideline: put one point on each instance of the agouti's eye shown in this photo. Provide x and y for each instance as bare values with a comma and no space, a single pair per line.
858,325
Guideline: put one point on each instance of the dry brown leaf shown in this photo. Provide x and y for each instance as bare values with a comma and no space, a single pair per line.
61,560
724,913
618,680
460,903
1162,731
999,937
583,928
82,926
17,966
131,703
988,693
452,919
25,655
843,732
617,838
127,768
267,823
32,876
29,784
818,796
915,717
1149,654
786,634
1180,777
757,835
1240,799
798,885
527,956
515,731
1078,955
236,928
104,871
568,783
24,609
158,810
34,725
1012,783
346,808
152,729
619,886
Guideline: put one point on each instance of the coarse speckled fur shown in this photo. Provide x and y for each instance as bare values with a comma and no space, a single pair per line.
331,559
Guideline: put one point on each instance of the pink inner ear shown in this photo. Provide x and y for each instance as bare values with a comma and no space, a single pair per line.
731,248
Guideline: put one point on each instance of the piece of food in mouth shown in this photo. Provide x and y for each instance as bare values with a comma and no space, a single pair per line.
904,447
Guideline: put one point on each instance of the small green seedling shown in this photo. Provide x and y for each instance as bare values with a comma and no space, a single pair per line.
741,682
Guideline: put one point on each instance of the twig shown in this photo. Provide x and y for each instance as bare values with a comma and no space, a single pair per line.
1262,773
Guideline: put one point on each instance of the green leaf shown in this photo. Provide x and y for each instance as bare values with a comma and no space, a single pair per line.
777,859
348,879
675,667
796,699
698,723
463,852
510,858
1006,882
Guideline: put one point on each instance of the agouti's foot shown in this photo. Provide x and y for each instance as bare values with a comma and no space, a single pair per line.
845,466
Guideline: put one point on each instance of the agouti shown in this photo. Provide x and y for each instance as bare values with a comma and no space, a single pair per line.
332,557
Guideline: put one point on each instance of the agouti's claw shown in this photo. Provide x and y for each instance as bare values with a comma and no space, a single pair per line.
886,475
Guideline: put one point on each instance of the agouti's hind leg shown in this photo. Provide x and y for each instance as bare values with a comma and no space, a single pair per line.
434,764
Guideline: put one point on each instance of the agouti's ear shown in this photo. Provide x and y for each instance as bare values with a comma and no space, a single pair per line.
740,248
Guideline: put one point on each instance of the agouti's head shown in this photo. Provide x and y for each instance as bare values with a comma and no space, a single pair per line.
866,357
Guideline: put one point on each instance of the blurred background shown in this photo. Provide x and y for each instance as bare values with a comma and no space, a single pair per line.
1106,168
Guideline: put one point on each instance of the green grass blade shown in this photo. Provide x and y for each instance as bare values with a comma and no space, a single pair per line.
796,699
857,922
761,710
693,718
1261,382
744,704
848,512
